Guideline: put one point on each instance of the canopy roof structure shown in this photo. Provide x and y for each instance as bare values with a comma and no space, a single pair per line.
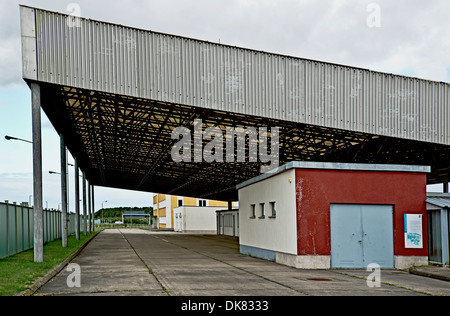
117,93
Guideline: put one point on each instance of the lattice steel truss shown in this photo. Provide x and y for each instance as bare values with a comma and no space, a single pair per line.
125,142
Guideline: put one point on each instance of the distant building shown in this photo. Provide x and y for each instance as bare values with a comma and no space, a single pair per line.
164,205
228,222
438,205
195,219
135,214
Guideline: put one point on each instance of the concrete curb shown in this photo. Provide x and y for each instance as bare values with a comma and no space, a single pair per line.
429,274
54,271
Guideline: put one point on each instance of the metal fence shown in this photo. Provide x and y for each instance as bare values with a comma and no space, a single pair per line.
17,228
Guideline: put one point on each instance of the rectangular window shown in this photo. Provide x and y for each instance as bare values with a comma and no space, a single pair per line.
262,207
253,211
273,208
180,202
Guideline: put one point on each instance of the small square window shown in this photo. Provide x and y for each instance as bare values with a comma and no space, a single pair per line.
273,208
262,207
253,211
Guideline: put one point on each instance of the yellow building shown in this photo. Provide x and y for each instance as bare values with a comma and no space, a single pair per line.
163,206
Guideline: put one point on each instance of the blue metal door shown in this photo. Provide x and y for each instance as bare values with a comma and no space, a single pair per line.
378,235
346,236
361,235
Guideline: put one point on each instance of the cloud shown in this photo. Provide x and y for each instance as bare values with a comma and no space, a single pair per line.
10,58
16,175
413,37
9,61
16,187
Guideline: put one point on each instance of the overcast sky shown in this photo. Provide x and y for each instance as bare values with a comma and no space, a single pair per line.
407,37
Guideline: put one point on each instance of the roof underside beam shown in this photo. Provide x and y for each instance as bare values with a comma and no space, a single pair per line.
126,142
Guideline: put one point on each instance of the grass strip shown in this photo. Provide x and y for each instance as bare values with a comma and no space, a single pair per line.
19,272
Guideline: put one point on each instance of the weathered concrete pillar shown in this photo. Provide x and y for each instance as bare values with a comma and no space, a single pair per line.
89,207
77,200
84,205
93,209
63,191
37,173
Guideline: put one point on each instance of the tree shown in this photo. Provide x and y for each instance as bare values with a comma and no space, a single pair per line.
116,212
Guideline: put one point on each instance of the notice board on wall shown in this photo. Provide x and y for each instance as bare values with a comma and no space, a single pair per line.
413,231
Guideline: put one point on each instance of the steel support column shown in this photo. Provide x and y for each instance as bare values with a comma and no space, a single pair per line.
89,207
63,190
77,200
93,209
84,205
37,174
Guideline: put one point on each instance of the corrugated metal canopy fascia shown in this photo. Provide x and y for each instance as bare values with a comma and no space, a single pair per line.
174,69
439,199
137,155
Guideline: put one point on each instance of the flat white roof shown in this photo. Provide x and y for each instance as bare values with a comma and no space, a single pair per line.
336,166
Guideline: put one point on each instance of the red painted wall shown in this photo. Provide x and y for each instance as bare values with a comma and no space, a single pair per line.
317,189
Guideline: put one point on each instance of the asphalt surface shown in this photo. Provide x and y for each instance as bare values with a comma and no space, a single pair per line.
133,262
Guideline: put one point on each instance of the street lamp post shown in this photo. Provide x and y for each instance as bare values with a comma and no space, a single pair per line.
37,170
19,139
7,137
102,208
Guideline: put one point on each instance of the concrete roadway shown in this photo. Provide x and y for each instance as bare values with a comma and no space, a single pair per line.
137,262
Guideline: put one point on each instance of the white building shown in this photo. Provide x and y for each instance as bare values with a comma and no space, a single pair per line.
164,205
195,219
317,215
228,222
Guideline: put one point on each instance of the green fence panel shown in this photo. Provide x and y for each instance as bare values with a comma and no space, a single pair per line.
12,229
55,225
58,216
51,226
19,229
48,226
26,228
44,226
31,221
3,231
